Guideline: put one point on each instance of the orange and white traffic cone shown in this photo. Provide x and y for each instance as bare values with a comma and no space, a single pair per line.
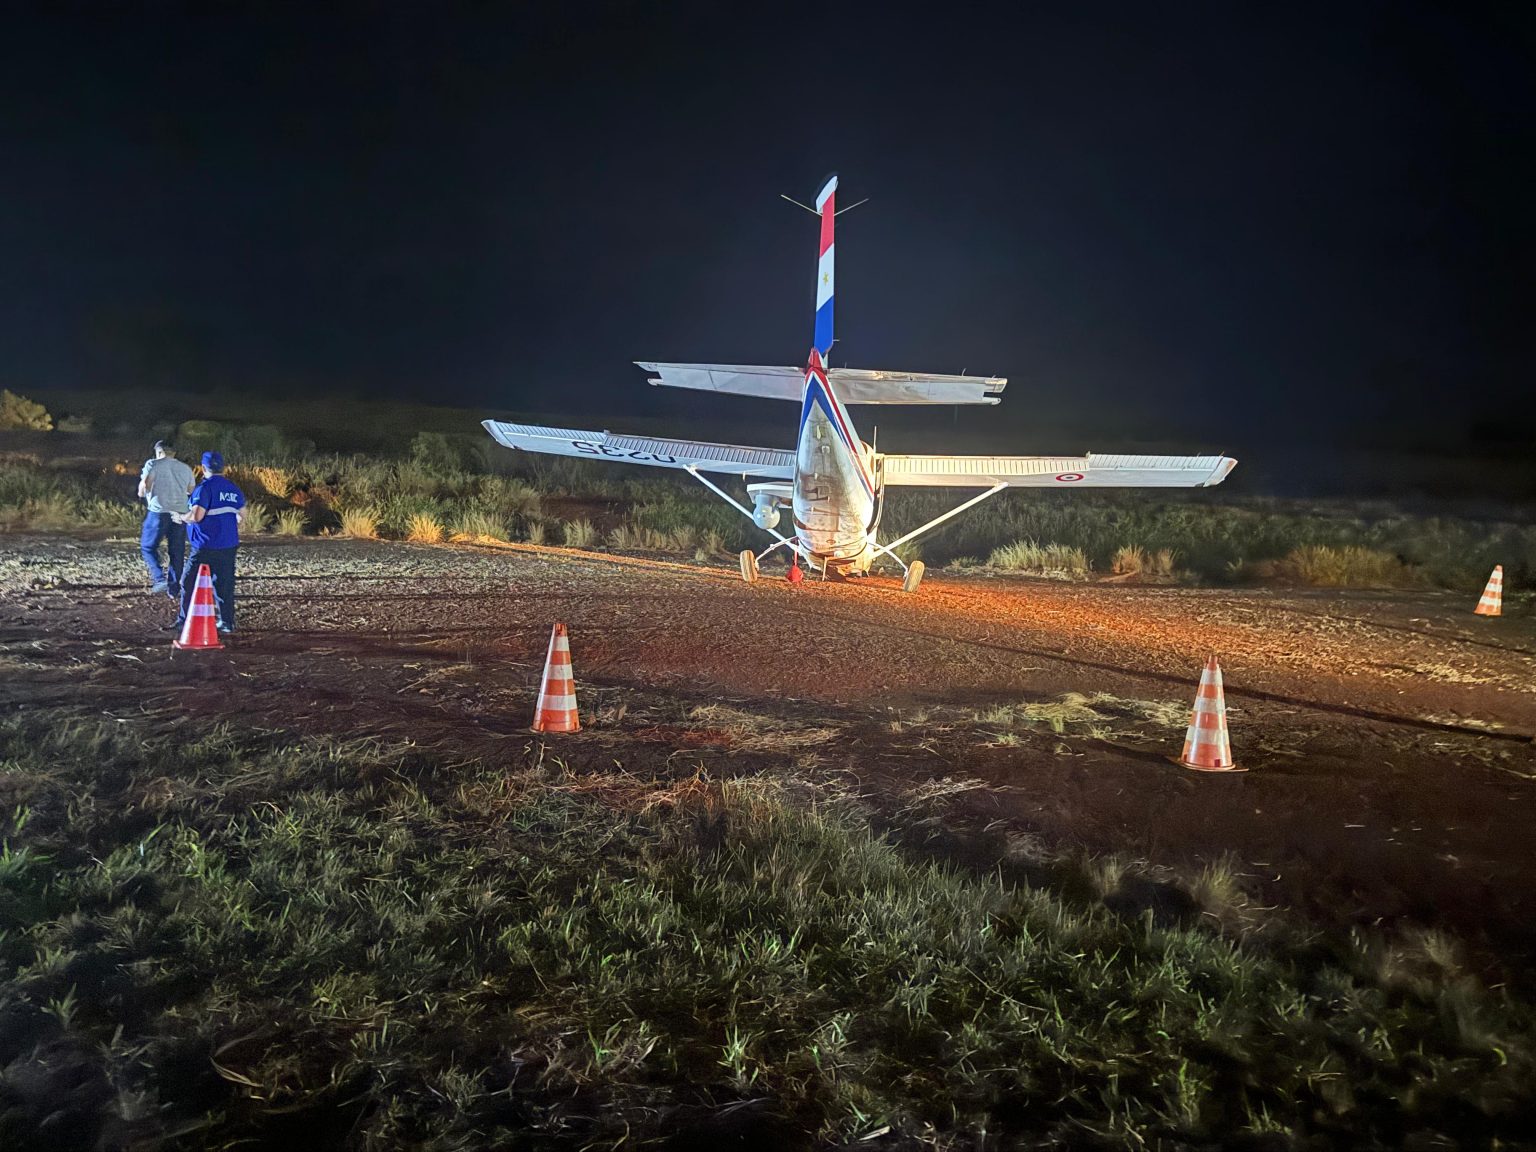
199,630
1206,746
556,710
1492,602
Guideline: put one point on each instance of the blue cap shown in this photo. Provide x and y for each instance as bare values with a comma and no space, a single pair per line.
213,462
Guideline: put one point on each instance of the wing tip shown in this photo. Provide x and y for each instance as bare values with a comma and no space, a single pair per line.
1223,469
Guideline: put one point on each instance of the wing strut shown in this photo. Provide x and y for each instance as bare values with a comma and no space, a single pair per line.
934,523
783,541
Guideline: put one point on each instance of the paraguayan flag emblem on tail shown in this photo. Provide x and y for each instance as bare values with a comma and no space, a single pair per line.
826,205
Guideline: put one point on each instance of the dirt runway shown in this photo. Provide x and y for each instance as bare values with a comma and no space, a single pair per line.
1387,735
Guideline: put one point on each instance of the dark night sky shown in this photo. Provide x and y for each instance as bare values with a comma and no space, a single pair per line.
1220,220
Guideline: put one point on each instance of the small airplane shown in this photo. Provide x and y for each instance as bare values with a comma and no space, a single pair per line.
833,483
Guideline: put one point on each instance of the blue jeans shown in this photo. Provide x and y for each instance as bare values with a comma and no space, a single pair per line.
159,526
221,563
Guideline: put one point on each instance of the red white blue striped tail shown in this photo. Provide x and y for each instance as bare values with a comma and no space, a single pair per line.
826,206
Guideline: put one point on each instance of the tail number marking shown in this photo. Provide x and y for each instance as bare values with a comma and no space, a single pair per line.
610,451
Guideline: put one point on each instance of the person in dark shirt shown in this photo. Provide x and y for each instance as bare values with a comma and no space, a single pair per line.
216,511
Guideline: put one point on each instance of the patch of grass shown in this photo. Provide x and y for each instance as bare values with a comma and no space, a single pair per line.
262,480
1347,566
110,515
1059,561
1133,560
1218,890
759,732
510,497
479,524
290,522
360,522
1164,713
367,937
630,537
1129,560
1219,535
259,518
424,528
37,498
1072,709
579,534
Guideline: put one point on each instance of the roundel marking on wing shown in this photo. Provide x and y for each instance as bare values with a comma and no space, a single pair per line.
1068,477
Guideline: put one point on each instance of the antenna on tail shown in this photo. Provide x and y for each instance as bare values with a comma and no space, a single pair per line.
797,204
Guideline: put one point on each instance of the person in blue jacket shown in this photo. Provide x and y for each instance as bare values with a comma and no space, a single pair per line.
213,518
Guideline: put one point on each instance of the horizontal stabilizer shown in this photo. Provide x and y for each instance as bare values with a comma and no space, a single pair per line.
658,452
852,385
1090,471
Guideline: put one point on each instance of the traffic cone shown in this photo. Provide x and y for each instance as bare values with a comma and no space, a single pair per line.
556,711
199,630
794,575
1492,602
1206,747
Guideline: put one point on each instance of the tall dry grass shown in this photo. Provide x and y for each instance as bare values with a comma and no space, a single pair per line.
360,522
424,528
291,522
1058,561
1348,566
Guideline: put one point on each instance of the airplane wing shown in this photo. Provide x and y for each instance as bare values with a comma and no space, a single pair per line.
1090,471
774,463
852,385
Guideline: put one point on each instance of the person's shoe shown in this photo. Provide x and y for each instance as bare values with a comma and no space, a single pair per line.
223,631
176,627
159,586
174,594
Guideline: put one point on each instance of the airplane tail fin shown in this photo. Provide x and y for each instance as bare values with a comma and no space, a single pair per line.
826,201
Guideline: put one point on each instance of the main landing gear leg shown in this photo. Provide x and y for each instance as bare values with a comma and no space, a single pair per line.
914,571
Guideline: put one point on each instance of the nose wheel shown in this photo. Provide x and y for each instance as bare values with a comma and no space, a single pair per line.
749,566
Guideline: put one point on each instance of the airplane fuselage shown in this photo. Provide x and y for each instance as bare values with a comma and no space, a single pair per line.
836,494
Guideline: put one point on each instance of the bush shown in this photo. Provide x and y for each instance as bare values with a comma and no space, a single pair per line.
17,412
238,441
38,499
580,534
510,496
434,453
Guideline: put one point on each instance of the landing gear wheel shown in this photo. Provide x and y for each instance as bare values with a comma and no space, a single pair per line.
914,576
749,566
